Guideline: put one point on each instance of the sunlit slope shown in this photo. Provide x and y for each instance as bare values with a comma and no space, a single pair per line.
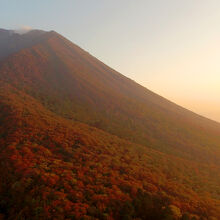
75,85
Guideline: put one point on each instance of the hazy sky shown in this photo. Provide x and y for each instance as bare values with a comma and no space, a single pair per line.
170,46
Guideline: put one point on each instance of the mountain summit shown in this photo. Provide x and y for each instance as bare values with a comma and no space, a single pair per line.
73,116
11,41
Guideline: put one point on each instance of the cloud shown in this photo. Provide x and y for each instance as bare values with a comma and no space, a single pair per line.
23,30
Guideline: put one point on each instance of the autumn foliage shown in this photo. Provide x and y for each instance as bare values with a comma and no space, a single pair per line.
71,148
52,168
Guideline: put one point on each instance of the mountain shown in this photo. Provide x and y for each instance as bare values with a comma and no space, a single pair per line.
80,140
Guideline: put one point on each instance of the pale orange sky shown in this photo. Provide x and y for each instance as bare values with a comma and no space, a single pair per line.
171,47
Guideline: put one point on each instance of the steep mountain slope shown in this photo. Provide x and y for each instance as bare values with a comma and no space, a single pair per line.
78,140
75,85
58,169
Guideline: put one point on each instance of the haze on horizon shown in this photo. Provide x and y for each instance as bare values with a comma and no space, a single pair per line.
171,47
